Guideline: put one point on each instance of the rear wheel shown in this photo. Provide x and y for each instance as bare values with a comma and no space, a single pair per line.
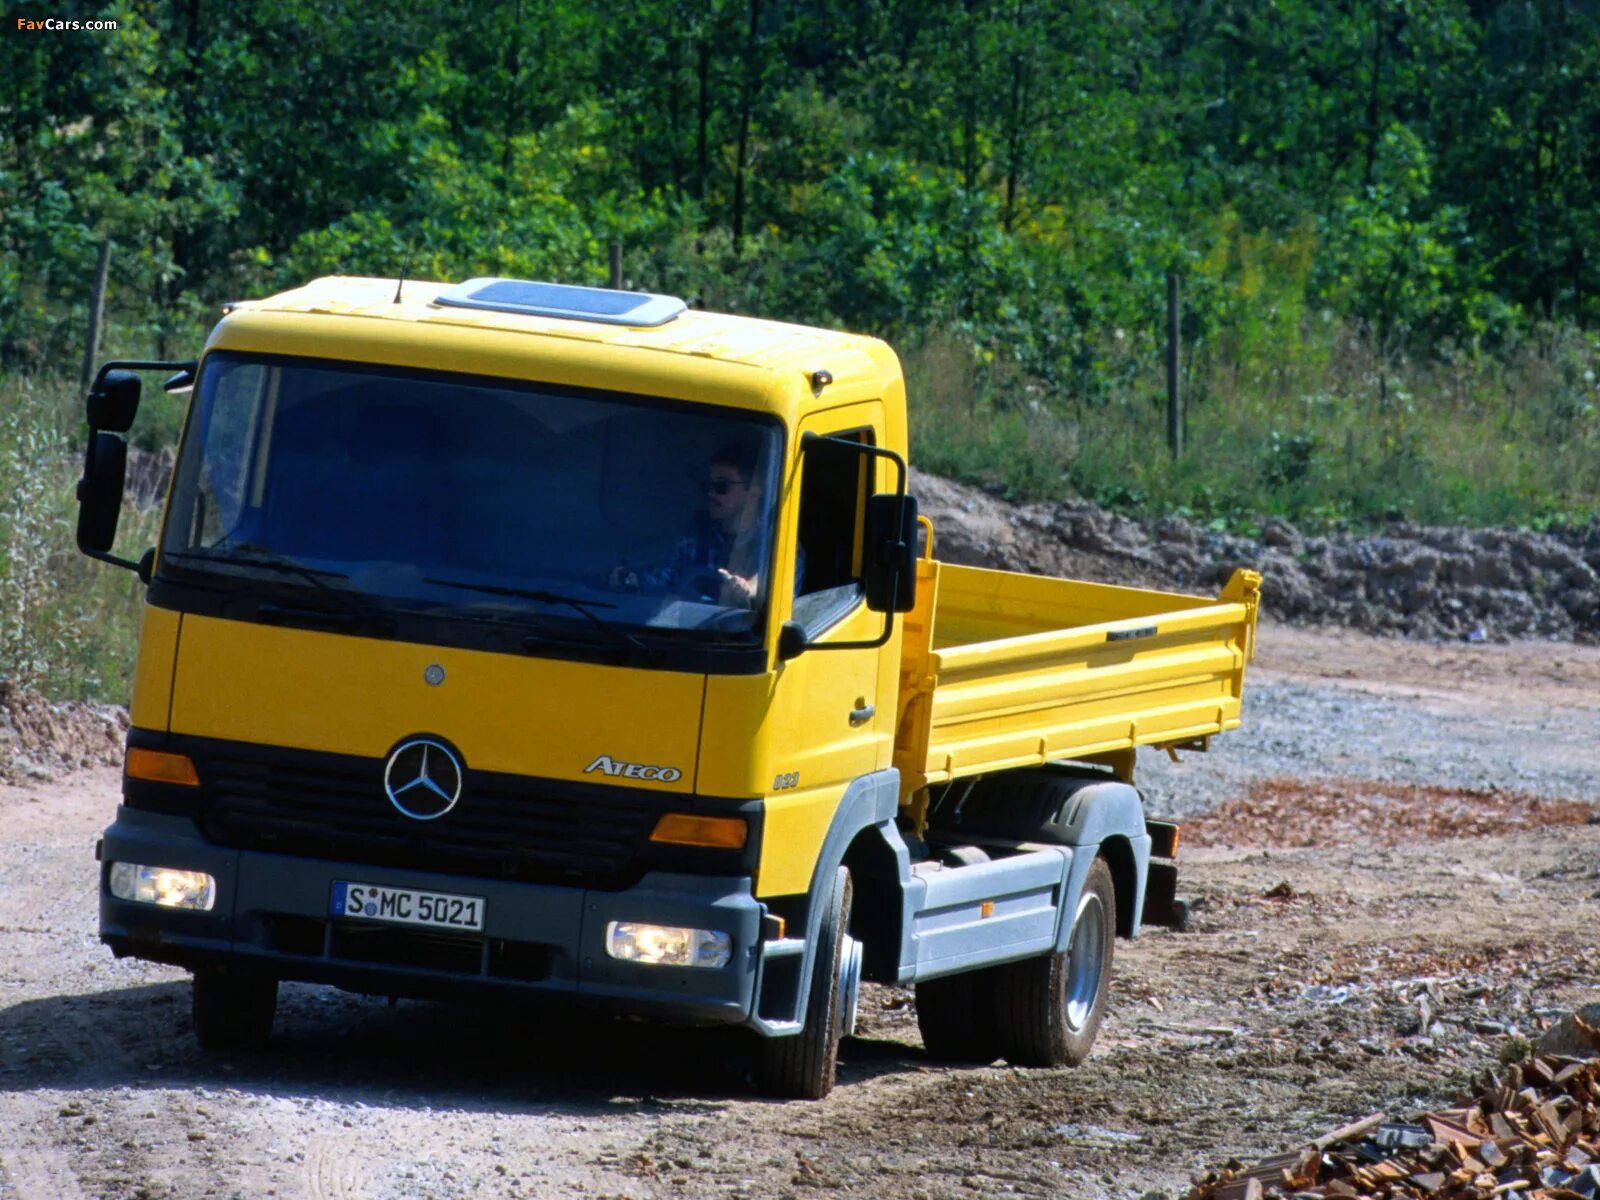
1048,1010
803,1066
233,1011
956,1016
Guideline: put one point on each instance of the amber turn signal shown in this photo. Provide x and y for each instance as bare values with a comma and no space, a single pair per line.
723,833
160,767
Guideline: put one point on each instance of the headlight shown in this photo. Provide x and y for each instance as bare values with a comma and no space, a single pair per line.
668,945
168,887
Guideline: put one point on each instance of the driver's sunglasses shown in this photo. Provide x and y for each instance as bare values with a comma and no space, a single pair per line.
721,487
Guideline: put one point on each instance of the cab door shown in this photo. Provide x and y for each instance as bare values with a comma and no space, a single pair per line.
844,697
801,734
839,702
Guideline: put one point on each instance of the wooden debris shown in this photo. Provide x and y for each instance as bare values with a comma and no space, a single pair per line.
1533,1135
1351,1131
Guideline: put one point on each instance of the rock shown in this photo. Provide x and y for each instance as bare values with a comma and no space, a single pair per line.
1281,535
1175,531
1569,1035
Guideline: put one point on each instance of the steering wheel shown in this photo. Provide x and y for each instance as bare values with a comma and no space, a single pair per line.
705,586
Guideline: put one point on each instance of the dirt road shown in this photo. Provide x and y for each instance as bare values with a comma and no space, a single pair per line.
1345,957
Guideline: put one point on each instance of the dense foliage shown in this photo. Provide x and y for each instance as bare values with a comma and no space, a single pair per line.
1385,212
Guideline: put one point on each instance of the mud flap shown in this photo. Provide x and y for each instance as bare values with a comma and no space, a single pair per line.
1161,904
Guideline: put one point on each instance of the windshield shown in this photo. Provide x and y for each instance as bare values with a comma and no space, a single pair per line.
484,500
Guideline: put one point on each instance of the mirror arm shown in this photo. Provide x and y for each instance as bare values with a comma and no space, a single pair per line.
140,364
870,644
117,561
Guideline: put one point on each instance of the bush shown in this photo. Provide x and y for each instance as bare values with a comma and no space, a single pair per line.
68,625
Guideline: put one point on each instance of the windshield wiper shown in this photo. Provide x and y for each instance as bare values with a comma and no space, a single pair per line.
539,596
282,564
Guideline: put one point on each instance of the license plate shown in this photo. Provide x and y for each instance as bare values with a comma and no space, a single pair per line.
406,906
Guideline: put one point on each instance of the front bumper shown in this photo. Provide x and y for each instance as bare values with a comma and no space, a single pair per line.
272,915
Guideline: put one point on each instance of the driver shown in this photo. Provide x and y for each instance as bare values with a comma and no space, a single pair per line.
727,538
721,557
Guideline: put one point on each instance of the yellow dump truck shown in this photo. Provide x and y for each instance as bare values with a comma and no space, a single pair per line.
508,637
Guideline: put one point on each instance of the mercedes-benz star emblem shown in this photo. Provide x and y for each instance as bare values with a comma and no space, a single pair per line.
423,779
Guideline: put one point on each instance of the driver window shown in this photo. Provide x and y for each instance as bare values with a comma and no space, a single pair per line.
833,491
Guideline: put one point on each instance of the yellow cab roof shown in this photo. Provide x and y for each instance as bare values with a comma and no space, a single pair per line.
715,357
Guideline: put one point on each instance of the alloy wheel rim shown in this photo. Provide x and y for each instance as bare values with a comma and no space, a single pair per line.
849,984
1086,961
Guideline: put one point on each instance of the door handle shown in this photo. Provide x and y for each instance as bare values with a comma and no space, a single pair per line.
860,716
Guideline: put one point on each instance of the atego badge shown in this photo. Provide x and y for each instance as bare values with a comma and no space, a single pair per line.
628,770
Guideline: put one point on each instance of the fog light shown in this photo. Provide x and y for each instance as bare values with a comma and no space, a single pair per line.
168,887
668,945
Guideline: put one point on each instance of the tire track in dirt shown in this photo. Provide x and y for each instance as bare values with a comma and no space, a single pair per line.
336,1168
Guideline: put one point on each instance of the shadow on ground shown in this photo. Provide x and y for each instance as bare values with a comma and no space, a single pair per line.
335,1046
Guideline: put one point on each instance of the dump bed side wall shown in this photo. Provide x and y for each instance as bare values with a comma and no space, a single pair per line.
1062,669
974,605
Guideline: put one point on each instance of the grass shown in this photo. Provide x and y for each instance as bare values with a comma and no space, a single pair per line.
1468,439
68,624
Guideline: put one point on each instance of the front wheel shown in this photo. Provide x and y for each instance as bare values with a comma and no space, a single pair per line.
803,1065
1048,1010
233,1011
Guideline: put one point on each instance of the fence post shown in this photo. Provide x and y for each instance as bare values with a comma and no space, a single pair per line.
97,312
1174,399
616,266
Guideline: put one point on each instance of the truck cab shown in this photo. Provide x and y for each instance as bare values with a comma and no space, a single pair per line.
515,637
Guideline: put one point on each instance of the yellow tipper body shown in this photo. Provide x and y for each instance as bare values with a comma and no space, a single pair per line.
1003,670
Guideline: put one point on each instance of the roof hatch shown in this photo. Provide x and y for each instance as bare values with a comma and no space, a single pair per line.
563,300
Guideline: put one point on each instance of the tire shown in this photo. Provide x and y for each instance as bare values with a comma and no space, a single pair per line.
957,1017
803,1065
233,1011
1048,1010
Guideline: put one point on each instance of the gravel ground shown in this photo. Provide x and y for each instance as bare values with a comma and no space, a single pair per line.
1299,730
1524,718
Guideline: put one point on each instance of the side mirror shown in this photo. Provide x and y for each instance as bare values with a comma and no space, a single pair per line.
890,553
112,404
100,490
792,640
114,401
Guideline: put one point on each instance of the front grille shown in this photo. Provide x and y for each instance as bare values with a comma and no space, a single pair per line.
459,953
503,827
434,950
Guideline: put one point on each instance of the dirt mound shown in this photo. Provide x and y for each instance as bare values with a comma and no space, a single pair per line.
1304,813
39,739
1412,580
